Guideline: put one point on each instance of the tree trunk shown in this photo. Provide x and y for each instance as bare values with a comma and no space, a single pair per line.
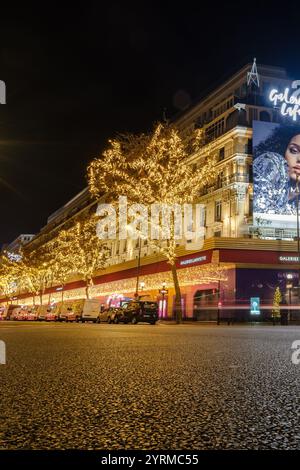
41,298
49,296
87,290
178,308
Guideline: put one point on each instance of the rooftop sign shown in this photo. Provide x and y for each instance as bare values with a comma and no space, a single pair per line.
288,100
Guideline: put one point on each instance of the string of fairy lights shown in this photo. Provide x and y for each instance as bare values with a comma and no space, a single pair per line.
193,276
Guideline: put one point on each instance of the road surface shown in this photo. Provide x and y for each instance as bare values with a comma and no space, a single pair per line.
74,386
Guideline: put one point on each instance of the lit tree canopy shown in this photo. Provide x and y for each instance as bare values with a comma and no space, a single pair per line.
9,274
79,250
149,169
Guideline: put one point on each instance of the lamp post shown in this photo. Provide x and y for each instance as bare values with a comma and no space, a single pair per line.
163,292
289,286
298,236
219,301
138,268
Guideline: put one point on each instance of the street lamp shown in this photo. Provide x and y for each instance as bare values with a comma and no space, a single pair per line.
138,268
163,292
218,317
289,286
298,236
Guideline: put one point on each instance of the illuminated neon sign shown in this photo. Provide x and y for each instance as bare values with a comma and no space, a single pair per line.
289,100
192,260
255,305
289,259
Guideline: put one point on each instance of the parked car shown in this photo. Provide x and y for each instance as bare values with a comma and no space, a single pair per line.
66,313
110,315
42,312
52,312
137,311
7,311
71,310
32,313
90,311
19,314
2,309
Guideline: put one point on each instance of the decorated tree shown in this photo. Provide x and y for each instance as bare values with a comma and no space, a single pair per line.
36,270
10,274
150,169
276,305
62,265
80,251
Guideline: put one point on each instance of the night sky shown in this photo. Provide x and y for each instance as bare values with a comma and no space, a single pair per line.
77,75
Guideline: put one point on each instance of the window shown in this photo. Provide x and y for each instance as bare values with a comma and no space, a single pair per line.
279,233
218,233
220,180
203,217
251,205
218,211
215,130
250,173
221,154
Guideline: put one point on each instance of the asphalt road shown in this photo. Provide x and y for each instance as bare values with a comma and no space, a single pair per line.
68,386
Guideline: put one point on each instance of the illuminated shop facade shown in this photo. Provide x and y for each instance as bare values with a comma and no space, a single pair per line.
241,257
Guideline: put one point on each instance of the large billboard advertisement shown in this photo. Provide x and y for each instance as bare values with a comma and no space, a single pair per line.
276,171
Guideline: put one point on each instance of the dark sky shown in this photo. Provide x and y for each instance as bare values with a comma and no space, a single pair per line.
76,75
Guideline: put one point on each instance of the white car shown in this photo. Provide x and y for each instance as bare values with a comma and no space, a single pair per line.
90,311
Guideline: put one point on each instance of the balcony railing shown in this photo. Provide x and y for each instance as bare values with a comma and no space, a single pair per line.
236,178
226,180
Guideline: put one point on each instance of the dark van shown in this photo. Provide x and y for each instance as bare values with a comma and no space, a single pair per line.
137,311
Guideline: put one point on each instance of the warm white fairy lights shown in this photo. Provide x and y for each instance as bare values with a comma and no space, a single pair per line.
196,276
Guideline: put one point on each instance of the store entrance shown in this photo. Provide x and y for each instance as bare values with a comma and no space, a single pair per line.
205,305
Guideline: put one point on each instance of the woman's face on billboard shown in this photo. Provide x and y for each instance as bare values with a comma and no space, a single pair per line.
292,156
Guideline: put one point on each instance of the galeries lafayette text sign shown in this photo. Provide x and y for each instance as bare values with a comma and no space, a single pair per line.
289,100
289,259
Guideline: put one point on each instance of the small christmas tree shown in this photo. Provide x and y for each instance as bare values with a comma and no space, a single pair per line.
276,302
